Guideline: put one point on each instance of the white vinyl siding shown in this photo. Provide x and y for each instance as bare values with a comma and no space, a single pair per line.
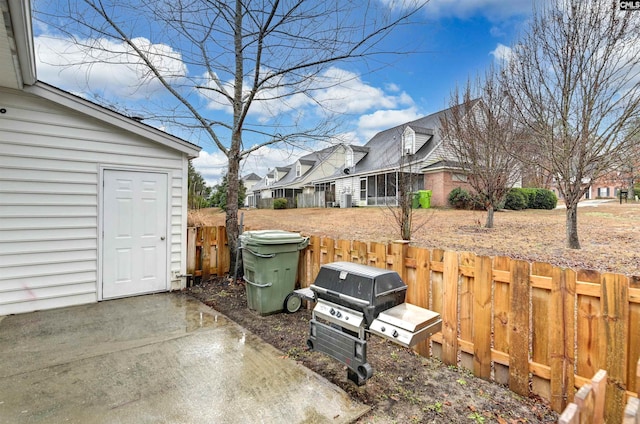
50,162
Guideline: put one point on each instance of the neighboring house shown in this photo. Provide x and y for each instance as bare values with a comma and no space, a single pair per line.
249,181
607,186
295,181
93,204
414,149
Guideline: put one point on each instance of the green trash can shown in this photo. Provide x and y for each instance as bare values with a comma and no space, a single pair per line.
270,260
415,200
424,198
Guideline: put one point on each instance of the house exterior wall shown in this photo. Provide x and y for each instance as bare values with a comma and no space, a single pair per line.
441,184
51,162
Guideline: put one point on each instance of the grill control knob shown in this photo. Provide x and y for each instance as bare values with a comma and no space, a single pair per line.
338,314
395,333
332,311
382,329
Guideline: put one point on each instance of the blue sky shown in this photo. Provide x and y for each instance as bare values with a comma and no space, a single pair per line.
451,41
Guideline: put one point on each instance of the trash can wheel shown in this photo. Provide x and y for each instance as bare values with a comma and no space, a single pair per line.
292,303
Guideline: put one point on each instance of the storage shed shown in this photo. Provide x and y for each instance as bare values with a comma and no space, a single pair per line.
93,204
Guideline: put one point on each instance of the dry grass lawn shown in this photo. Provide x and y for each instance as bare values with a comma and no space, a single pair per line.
609,233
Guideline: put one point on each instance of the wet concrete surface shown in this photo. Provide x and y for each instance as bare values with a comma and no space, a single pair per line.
163,358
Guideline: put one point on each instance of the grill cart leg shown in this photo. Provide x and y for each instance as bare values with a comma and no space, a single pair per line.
361,375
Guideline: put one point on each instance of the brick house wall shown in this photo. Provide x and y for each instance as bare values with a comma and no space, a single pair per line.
441,183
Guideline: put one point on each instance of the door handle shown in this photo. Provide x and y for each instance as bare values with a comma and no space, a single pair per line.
162,238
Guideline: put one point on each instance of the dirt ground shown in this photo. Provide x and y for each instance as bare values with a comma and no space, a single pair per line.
407,388
609,233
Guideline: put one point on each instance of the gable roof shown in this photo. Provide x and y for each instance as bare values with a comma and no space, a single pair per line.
111,117
18,71
251,177
313,159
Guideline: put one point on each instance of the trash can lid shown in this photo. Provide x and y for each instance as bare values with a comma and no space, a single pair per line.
271,237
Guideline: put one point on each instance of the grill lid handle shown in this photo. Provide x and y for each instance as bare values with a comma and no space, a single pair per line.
344,297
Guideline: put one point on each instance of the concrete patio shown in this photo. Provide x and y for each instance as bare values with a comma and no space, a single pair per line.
163,358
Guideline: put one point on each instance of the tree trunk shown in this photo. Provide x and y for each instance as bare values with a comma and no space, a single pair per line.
489,223
572,241
406,220
233,184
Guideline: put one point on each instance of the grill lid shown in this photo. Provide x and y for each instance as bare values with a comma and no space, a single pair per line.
358,281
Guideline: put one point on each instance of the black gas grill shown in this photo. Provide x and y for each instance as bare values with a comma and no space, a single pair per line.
355,300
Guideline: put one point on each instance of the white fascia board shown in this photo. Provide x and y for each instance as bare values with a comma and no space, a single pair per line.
86,107
20,11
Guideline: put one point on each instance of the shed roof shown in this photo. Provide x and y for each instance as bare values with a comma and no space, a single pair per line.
111,117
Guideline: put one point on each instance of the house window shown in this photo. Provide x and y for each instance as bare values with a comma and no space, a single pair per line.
408,142
348,159
298,169
363,188
459,177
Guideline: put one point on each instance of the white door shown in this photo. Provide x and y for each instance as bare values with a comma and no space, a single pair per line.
134,238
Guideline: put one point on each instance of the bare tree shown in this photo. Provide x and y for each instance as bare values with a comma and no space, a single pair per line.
574,82
266,55
407,182
480,135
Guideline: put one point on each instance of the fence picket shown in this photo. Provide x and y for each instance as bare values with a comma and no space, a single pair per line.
501,307
541,326
615,313
450,309
481,293
465,320
562,337
633,383
437,296
519,328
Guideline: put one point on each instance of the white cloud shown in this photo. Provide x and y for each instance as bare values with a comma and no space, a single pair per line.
494,10
212,166
336,90
502,53
371,124
110,68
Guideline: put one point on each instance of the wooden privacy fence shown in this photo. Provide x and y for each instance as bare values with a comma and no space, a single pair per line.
533,326
207,252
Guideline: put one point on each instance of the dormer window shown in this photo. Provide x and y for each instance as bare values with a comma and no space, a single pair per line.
298,169
348,158
408,142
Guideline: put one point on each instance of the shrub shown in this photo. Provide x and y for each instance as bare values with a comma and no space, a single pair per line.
544,199
460,198
280,203
516,200
539,198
